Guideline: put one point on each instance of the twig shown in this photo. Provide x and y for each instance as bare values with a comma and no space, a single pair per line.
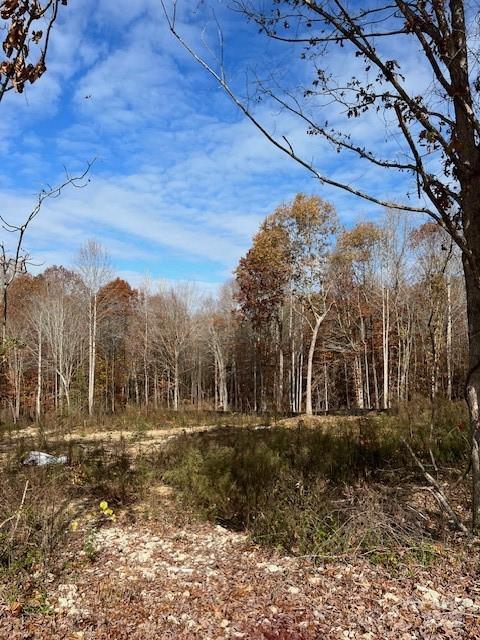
464,474
19,512
437,490
2,524
419,513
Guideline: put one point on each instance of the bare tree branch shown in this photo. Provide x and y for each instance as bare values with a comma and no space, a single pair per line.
286,148
15,264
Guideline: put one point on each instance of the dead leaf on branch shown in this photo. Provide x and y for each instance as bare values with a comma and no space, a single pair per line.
20,27
8,9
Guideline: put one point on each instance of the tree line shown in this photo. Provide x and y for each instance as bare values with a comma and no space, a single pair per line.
316,318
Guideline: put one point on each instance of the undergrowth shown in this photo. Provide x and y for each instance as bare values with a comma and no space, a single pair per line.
319,492
342,490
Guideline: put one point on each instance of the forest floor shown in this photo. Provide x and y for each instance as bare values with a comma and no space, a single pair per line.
154,570
176,577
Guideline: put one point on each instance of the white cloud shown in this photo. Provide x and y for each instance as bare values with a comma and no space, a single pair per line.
181,181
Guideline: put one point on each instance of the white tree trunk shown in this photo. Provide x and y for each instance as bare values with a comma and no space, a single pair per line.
38,400
65,386
325,377
385,345
176,389
92,352
311,351
449,339
358,381
145,356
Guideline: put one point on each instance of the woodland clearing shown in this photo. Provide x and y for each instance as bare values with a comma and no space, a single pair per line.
117,544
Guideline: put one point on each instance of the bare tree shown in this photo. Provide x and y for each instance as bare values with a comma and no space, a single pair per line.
94,267
58,319
438,125
174,330
310,223
16,261
219,317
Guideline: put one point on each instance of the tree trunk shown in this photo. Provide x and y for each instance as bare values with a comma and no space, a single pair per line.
175,384
223,385
449,339
168,388
155,388
311,352
280,380
358,380
92,352
255,402
385,345
17,381
363,332
279,398
65,386
375,377
38,400
300,379
473,384
112,399
291,339
434,364
137,391
145,357
468,174
215,384
325,380
5,312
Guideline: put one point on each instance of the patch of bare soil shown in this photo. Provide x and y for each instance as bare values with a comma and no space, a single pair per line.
149,434
136,442
317,421
179,579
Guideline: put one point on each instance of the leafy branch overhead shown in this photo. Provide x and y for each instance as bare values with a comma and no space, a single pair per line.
27,25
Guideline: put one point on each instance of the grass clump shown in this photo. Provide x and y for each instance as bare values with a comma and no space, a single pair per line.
111,474
41,505
35,516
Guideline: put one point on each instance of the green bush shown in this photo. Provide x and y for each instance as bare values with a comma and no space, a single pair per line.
111,475
285,485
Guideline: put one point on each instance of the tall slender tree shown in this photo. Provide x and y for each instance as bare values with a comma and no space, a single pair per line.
94,267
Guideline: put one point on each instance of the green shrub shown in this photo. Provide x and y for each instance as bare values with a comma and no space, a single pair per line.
111,475
292,487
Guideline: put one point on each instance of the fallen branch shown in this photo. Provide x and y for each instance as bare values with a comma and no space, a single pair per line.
437,491
19,512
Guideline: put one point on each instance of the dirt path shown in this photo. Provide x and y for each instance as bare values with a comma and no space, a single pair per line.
199,581
136,441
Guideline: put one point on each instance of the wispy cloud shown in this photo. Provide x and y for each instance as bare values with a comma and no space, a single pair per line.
181,181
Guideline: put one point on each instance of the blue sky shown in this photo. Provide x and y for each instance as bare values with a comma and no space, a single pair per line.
181,180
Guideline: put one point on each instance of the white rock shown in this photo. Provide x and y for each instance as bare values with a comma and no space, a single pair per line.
430,595
468,603
391,597
273,568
